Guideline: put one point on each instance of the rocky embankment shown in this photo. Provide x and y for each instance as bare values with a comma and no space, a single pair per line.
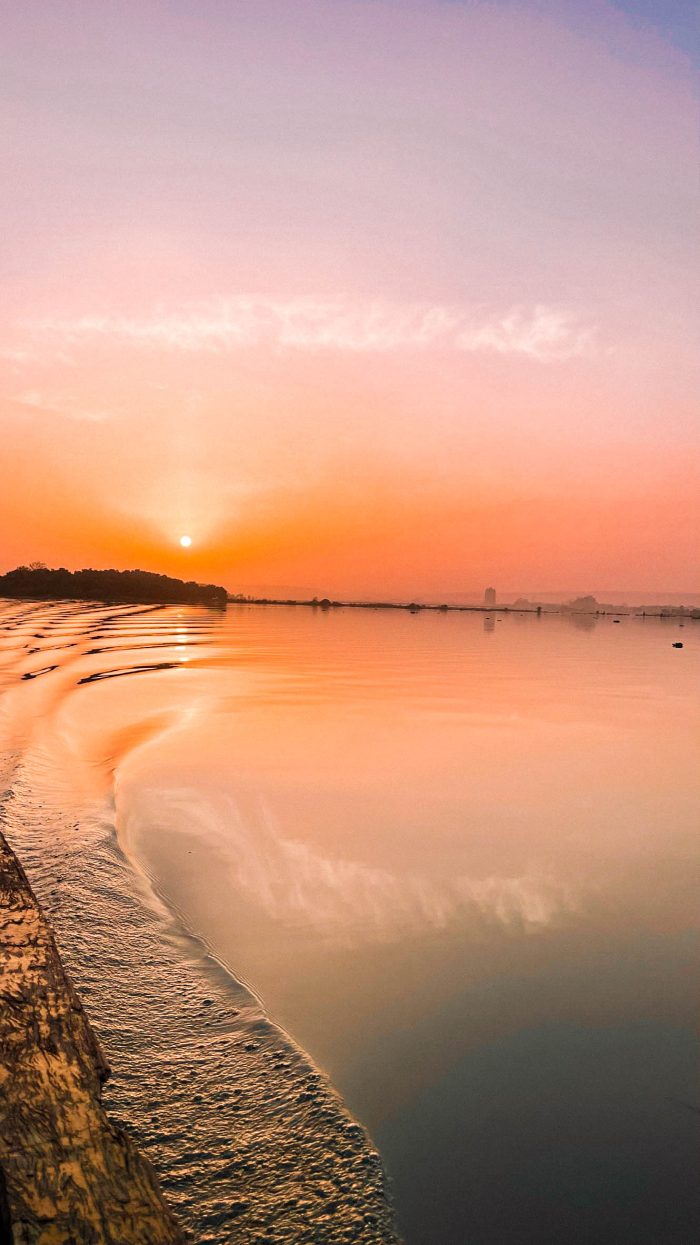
66,1173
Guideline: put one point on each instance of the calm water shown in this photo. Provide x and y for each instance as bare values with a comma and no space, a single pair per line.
453,858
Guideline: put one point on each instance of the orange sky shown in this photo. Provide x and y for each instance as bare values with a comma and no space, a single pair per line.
373,300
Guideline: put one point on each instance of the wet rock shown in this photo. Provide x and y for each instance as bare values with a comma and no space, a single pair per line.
70,1174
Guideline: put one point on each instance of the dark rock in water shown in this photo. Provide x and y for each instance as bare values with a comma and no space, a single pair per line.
68,1175
678,644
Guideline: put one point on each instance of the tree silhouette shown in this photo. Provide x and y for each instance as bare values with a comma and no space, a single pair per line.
36,580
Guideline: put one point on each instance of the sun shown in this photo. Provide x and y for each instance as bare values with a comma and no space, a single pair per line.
185,541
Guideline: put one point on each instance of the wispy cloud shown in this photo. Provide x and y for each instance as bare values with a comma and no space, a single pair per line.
15,354
540,332
33,400
543,333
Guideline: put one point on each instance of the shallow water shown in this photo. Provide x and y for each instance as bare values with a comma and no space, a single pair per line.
453,857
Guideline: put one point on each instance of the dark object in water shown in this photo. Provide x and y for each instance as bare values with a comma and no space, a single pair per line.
678,644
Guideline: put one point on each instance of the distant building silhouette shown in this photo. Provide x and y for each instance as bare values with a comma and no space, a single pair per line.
586,604
490,598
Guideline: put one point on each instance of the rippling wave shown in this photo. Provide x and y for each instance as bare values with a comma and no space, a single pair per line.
250,1140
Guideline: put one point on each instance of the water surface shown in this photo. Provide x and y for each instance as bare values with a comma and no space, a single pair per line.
453,856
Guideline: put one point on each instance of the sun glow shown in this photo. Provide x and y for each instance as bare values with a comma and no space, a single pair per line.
185,541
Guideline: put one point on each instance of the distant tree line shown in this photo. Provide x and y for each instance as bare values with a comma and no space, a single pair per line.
37,580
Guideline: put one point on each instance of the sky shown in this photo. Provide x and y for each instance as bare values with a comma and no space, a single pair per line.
376,298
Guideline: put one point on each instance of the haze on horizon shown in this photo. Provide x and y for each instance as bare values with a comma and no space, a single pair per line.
365,297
